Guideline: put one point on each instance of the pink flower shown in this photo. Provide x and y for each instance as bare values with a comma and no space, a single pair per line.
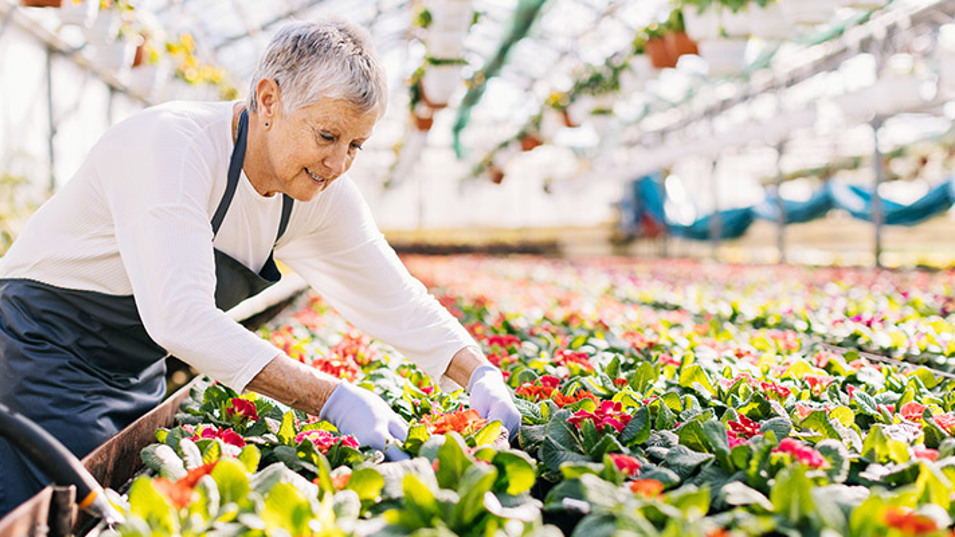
924,453
549,381
945,421
771,388
733,439
242,407
802,453
912,411
324,440
626,464
817,383
744,426
609,414
226,435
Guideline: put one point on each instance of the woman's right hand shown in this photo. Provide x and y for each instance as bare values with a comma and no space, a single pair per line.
364,415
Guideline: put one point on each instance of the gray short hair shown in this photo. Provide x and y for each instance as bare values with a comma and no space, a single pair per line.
329,58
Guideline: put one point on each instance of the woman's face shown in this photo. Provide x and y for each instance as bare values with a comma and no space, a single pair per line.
312,146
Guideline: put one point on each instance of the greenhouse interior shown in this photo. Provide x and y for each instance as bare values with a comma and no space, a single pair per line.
576,268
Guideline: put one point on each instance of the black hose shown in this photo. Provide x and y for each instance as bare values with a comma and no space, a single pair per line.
56,461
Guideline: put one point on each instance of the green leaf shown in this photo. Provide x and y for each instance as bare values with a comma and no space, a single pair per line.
149,504
696,374
933,487
452,461
516,469
879,447
928,378
250,457
781,426
839,458
685,461
818,421
191,456
367,483
530,412
287,508
791,496
164,460
213,452
488,434
286,433
643,377
866,403
553,455
417,436
738,493
477,480
637,430
692,436
607,444
232,479
419,500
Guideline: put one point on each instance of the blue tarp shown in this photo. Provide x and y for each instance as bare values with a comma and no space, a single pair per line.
646,198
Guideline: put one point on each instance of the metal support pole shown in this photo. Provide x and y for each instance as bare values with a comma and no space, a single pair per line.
51,148
879,166
780,206
715,223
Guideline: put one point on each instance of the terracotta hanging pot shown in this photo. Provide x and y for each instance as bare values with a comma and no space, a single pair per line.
41,3
422,116
678,43
530,141
497,174
659,53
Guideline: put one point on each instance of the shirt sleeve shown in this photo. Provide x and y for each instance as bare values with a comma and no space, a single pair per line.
346,259
158,199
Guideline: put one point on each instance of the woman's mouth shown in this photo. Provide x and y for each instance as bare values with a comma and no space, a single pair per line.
316,178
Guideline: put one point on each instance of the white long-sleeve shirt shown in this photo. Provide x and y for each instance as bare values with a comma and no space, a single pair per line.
135,220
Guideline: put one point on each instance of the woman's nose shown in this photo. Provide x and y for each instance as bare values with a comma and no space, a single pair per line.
337,161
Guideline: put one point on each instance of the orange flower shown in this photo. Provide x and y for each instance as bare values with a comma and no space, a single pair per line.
341,481
909,522
648,488
463,421
564,400
181,492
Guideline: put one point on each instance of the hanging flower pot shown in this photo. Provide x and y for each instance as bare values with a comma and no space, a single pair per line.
808,12
73,13
659,53
439,82
422,116
725,56
678,43
529,141
496,174
601,119
41,3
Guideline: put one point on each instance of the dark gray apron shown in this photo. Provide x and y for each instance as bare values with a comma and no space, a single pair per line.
80,363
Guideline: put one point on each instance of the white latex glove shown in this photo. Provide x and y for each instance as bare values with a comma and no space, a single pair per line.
364,415
492,399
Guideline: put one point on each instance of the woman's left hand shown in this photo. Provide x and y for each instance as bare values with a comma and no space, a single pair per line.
492,399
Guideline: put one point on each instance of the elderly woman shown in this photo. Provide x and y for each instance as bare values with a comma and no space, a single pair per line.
175,216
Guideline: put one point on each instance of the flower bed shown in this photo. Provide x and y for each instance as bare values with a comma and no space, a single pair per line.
668,399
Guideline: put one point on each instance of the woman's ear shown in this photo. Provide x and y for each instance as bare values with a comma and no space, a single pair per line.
269,98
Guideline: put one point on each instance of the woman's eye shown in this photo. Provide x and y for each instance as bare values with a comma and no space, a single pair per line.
356,147
327,137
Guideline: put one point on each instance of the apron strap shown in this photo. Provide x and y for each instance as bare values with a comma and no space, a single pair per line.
235,168
286,213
